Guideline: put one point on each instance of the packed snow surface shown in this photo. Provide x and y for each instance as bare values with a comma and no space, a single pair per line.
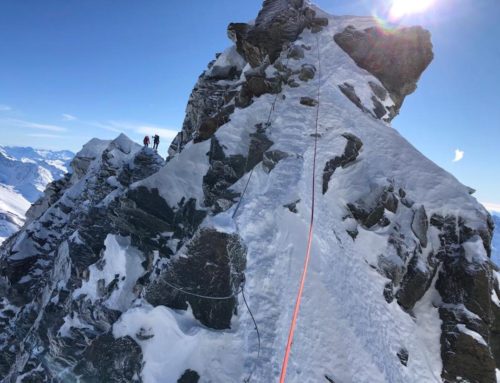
172,342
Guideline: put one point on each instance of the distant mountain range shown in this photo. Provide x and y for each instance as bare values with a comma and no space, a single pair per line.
24,174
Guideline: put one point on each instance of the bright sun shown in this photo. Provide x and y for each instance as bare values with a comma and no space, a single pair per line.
401,8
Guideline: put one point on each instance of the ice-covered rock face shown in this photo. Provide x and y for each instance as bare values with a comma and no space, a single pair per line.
100,284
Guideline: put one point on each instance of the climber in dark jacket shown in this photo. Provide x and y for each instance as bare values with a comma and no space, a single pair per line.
146,141
156,141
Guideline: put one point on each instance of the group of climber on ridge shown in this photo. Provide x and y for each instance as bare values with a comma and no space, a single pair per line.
156,141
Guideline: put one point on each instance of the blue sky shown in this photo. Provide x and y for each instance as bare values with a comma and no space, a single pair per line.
72,70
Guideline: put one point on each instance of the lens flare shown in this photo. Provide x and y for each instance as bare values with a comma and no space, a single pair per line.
401,8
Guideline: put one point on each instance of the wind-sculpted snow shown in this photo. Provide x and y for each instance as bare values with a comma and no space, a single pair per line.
133,269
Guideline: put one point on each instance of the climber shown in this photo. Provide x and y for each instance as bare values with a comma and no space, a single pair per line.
156,141
146,141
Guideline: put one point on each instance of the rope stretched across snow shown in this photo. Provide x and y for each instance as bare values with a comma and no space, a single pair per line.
298,300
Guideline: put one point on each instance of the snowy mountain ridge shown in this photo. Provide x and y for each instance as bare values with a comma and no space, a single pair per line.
24,174
99,285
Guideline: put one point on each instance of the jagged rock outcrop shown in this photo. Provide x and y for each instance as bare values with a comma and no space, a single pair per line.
397,59
132,268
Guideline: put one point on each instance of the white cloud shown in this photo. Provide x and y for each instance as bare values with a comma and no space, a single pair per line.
5,108
68,117
44,135
459,155
14,123
493,207
162,132
138,128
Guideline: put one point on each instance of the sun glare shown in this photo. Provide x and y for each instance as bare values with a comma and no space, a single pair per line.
401,8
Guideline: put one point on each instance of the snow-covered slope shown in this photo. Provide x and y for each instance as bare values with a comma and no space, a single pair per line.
13,207
24,174
132,268
29,170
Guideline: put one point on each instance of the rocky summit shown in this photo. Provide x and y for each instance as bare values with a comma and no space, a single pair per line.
136,269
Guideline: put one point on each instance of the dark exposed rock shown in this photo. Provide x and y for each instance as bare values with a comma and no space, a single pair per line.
317,24
350,93
228,72
389,292
279,22
144,334
213,266
189,376
308,101
420,225
244,97
379,109
416,281
390,202
353,233
209,106
462,355
292,206
296,52
271,159
210,125
307,72
465,359
257,86
378,90
396,59
403,356
224,172
259,144
111,360
351,152
51,195
495,327
146,163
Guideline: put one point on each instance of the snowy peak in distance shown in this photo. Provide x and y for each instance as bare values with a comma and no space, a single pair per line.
24,174
29,170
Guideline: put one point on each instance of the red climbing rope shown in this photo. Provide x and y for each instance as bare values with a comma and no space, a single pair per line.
309,240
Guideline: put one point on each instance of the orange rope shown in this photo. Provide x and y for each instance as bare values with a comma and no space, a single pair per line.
309,242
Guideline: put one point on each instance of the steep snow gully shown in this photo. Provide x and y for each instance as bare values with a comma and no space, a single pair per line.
108,280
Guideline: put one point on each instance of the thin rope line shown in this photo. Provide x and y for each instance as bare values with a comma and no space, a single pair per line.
310,237
180,289
267,124
256,329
